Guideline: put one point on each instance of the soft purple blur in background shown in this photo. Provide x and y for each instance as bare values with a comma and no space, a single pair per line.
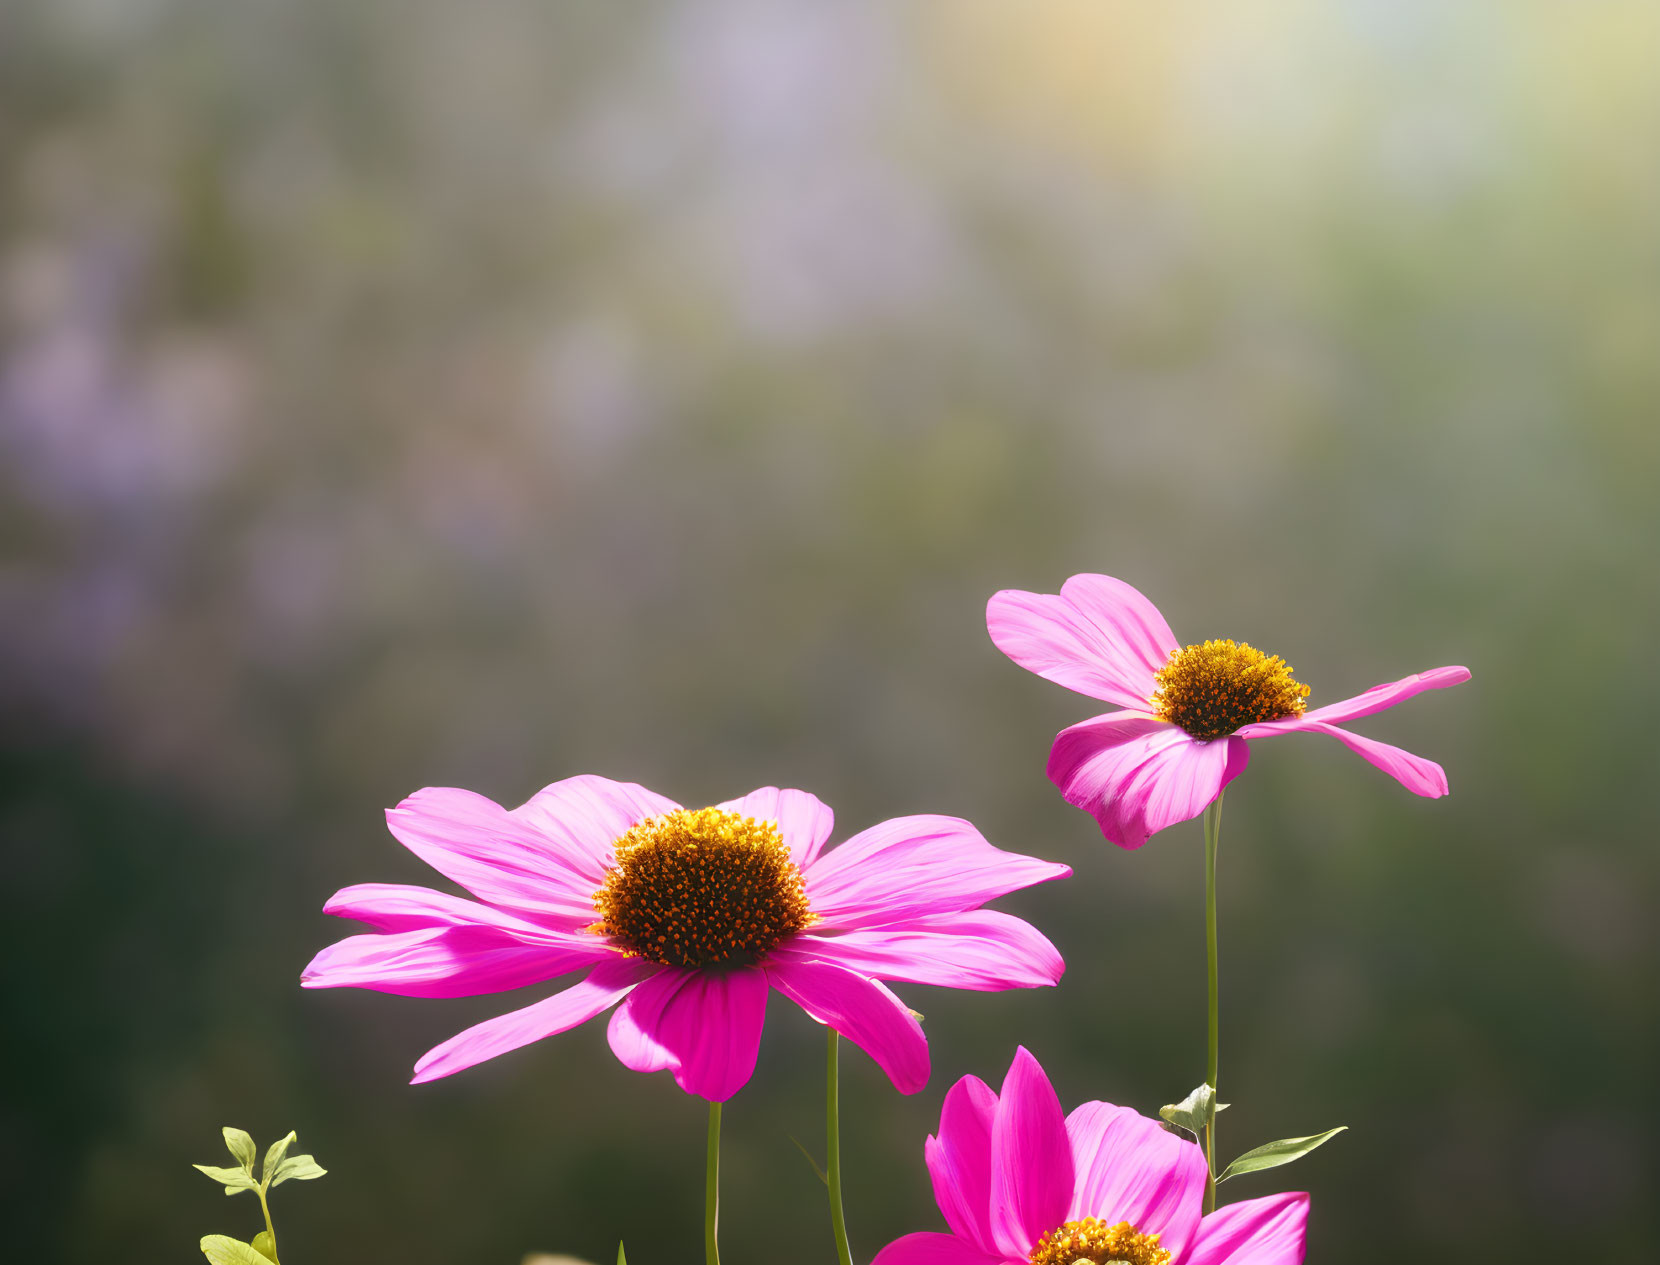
419,393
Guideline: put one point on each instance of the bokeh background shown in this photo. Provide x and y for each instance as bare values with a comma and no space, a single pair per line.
413,393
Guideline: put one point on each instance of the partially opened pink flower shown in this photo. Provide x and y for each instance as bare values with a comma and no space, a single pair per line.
1019,1183
1190,709
689,919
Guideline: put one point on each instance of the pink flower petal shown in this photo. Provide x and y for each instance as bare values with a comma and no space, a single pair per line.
446,962
861,1009
1125,614
932,1249
632,1031
982,950
496,855
911,867
581,817
400,907
959,1161
1099,637
1031,1160
804,820
1380,697
1418,775
1256,1232
1136,775
600,988
1131,1169
703,1025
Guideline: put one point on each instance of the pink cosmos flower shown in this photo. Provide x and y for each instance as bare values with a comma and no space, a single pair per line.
1190,711
1018,1183
689,920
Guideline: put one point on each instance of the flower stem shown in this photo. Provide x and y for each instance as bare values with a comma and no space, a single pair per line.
1213,834
269,1228
711,1193
833,1153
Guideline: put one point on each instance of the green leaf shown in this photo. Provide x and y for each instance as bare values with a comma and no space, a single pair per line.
808,1156
233,1179
221,1249
300,1168
622,1258
1273,1154
1195,1111
241,1147
265,1246
273,1157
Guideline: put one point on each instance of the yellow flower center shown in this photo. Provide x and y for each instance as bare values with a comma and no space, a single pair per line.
699,888
1097,1243
1213,689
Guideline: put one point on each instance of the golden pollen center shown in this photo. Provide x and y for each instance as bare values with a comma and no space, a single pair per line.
700,888
1212,689
1098,1243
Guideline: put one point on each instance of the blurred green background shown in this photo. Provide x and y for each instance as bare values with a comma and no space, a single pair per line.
396,394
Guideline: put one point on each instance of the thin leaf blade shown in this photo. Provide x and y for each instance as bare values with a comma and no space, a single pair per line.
241,1147
233,1179
299,1168
808,1156
274,1156
1273,1154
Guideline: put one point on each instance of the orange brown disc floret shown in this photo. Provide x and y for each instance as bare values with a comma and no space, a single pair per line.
1098,1243
1212,689
701,888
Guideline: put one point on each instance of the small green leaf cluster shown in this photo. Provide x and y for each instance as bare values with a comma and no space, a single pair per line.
279,1167
1196,1112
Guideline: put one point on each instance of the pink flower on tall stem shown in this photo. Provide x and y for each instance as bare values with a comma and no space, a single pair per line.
1019,1183
689,919
1190,710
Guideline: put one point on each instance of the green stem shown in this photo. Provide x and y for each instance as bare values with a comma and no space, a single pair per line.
269,1229
833,1156
711,1192
1213,834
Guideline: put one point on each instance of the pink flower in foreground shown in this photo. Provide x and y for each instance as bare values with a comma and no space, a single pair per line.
1017,1182
689,919
1190,710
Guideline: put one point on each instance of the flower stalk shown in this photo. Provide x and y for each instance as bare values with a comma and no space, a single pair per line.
833,1151
711,1191
270,1230
1213,832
